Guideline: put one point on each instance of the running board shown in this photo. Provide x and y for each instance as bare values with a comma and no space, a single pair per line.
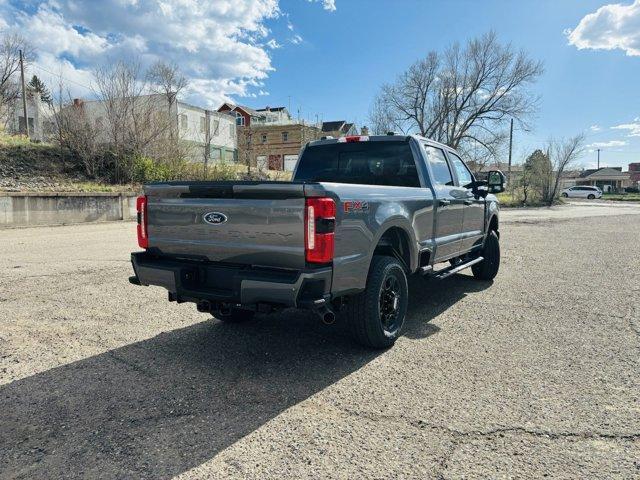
453,270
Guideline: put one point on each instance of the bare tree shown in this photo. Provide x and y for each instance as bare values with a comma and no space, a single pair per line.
80,135
562,154
10,46
166,79
136,123
380,117
75,131
462,97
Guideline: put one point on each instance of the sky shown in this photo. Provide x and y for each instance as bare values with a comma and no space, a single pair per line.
326,59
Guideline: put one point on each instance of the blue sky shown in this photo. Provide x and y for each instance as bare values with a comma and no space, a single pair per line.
329,57
348,53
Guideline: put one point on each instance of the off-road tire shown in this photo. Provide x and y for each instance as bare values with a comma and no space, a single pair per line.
363,311
591,196
236,315
488,268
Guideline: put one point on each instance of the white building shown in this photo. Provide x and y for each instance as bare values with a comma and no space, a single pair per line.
210,135
38,114
201,127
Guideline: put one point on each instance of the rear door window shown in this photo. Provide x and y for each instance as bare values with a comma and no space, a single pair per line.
439,166
366,163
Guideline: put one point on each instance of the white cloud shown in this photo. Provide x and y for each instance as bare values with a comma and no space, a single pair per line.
595,128
221,45
613,26
49,32
329,5
609,144
76,83
632,128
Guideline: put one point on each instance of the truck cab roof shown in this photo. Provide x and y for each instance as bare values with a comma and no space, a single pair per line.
391,137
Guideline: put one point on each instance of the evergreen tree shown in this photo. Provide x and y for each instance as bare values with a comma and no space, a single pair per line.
39,86
538,171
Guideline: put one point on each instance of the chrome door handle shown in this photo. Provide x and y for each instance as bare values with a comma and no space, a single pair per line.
444,203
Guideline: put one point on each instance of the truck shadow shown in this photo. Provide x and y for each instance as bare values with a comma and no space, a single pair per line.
429,297
159,407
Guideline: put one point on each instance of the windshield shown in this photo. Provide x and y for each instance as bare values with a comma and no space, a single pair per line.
368,163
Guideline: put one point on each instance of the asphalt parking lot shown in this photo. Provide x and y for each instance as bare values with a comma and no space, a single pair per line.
537,373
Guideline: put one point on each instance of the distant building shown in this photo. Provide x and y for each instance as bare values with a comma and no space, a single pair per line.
38,115
210,135
482,170
247,116
338,128
274,147
634,174
609,179
202,127
569,178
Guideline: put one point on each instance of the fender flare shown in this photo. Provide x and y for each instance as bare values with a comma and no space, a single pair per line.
404,225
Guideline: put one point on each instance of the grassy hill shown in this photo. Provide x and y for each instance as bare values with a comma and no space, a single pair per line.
35,167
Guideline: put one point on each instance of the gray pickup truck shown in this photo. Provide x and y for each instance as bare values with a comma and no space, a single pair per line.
360,214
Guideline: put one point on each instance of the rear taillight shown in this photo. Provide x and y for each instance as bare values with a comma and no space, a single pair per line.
141,207
319,236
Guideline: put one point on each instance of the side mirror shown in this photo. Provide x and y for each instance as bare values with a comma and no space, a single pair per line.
496,181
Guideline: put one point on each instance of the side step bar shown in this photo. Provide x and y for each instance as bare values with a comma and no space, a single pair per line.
447,272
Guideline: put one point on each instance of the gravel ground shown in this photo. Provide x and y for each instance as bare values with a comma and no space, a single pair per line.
536,374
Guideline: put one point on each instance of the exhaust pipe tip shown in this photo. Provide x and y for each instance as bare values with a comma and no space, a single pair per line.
329,318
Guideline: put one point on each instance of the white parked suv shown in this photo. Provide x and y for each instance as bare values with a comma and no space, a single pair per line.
582,192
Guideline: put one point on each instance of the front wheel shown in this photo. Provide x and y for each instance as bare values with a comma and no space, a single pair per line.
591,196
488,268
565,195
376,316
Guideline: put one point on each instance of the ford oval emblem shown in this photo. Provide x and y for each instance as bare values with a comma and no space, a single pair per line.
214,218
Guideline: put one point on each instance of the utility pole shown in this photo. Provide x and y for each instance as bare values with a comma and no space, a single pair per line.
598,159
510,151
24,96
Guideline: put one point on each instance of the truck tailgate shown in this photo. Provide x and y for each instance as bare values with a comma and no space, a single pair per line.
260,224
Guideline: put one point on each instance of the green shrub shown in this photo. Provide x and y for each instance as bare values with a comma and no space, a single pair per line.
145,169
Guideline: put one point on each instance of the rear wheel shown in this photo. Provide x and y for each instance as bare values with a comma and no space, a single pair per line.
235,315
488,268
376,316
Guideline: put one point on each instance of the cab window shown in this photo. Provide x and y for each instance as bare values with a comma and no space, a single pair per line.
439,166
464,175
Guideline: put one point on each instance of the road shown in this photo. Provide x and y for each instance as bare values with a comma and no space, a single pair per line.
537,373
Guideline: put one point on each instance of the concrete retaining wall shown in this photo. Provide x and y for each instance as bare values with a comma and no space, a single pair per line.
23,209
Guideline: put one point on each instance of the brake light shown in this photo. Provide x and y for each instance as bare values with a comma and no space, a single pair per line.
353,139
319,235
141,207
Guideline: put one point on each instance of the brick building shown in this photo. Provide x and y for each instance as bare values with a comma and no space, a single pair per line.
274,147
634,174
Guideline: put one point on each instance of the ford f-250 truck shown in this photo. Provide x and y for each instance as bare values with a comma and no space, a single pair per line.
361,213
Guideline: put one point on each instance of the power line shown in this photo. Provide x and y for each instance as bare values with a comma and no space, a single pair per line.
61,76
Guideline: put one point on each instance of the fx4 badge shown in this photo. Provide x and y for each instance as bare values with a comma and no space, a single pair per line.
214,218
355,206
